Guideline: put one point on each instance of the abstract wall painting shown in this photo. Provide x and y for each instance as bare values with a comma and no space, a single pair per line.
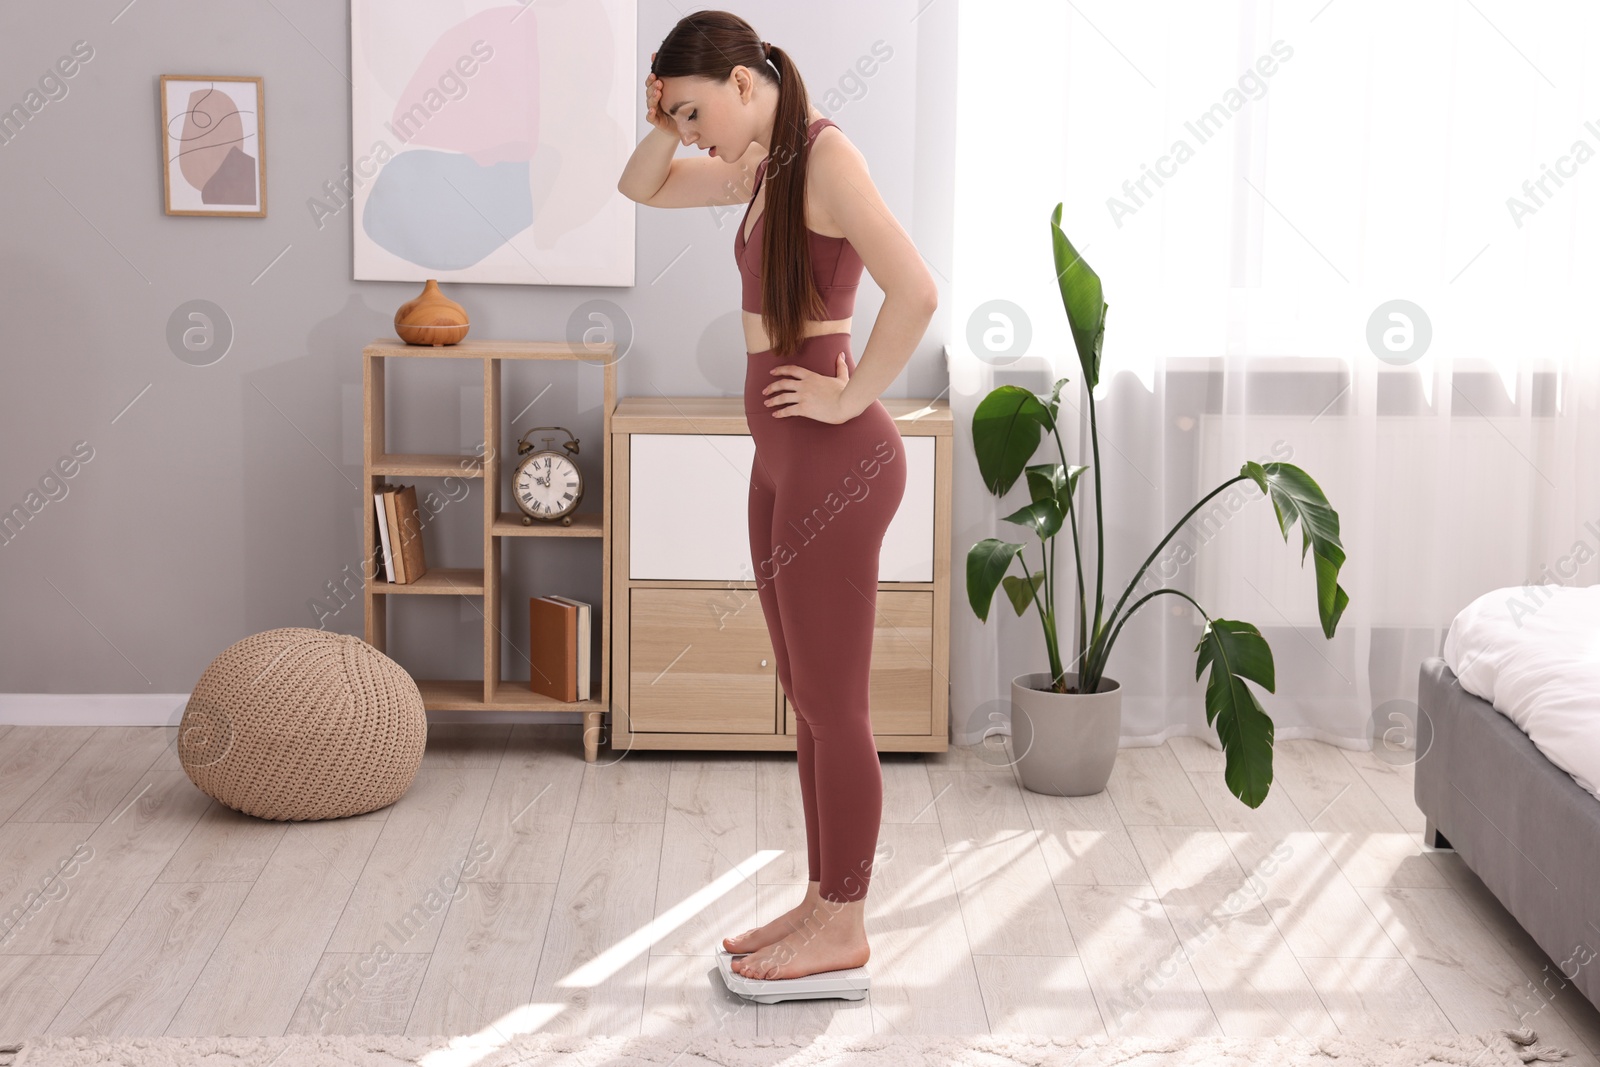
487,139
214,159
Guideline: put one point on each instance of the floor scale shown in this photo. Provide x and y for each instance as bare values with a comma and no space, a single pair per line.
849,984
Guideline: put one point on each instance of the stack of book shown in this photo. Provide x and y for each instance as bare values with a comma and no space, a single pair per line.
399,533
558,652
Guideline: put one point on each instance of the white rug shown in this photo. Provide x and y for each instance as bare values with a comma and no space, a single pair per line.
1493,1048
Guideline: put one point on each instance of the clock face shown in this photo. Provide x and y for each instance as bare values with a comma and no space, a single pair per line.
547,485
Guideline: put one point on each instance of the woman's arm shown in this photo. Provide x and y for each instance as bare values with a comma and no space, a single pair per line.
910,295
649,166
901,322
654,178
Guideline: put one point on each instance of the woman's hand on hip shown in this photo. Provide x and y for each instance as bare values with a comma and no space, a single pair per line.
805,392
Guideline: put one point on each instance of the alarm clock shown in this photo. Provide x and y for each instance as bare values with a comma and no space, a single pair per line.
547,485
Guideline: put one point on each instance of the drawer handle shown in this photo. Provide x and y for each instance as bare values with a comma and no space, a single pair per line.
763,663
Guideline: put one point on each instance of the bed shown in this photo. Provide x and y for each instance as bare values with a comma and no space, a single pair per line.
1508,762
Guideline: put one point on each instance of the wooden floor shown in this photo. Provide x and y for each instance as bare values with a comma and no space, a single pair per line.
593,897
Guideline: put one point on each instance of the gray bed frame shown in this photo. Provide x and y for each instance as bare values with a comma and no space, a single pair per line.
1521,823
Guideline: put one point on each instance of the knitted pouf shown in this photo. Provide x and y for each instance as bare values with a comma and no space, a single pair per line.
297,723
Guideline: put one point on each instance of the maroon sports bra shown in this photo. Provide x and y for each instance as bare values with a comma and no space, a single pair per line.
835,266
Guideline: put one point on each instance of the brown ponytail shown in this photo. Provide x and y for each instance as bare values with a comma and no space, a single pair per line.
709,44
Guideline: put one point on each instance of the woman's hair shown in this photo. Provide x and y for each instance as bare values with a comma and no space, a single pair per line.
709,44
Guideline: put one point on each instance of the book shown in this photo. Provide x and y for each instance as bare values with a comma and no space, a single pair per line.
383,534
412,560
583,661
553,648
393,516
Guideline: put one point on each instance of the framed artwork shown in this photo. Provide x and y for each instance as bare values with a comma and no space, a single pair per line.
213,137
487,139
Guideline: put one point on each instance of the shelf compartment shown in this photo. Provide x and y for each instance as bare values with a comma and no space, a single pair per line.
426,465
454,694
438,581
509,524
466,694
516,696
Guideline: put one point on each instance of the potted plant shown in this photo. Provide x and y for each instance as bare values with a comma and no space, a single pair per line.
1066,724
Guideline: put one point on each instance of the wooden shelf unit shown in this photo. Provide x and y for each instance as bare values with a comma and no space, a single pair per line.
492,692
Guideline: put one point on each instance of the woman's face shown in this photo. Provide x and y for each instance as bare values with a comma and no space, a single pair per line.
710,114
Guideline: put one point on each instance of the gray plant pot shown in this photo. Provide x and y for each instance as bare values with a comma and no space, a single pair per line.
1064,744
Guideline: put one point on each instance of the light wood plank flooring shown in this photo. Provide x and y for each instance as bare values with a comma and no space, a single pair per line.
516,889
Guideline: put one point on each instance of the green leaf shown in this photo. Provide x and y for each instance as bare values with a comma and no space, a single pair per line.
1043,517
987,563
1082,296
1021,590
1297,497
1054,403
1006,427
1047,481
1241,649
1236,653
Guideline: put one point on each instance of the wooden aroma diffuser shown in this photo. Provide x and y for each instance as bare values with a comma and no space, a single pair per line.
431,318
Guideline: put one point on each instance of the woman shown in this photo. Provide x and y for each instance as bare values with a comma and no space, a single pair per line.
829,469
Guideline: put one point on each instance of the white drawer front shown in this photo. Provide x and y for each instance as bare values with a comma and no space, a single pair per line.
908,542
688,510
688,506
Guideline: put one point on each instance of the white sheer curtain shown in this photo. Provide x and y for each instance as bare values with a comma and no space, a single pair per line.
1257,184
1447,485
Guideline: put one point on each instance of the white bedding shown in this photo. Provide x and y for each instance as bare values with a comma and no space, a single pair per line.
1534,654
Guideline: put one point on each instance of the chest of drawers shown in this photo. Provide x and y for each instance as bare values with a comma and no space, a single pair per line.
692,661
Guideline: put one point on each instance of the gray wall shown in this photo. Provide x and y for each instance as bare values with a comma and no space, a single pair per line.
222,500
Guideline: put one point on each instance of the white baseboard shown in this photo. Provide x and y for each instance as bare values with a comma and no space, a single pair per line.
92,709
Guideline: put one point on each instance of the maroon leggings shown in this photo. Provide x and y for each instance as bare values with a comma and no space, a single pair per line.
821,497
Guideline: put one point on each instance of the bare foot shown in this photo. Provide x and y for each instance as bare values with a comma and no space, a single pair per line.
778,928
832,938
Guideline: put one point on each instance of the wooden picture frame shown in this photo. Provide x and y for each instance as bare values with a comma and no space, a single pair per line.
213,156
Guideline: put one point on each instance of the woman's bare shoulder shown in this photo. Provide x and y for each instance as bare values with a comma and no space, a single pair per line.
836,163
832,144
